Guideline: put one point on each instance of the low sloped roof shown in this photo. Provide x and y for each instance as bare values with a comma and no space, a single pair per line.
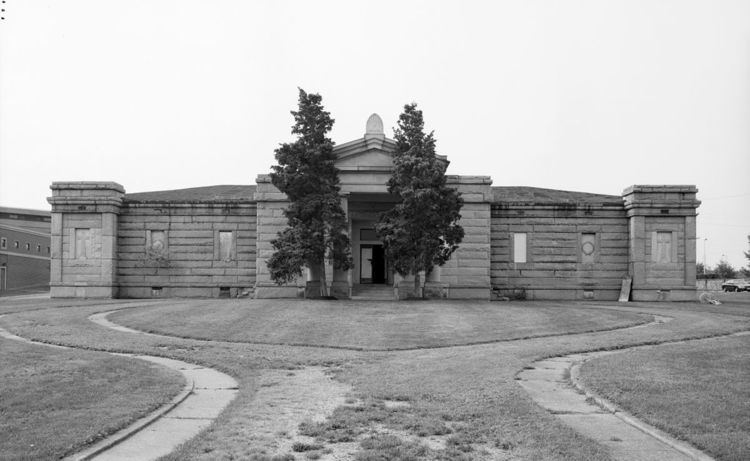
24,211
513,194
518,194
196,194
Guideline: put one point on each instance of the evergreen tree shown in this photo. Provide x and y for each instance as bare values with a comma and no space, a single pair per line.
307,175
422,230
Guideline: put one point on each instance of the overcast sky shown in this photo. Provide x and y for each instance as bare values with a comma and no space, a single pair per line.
580,95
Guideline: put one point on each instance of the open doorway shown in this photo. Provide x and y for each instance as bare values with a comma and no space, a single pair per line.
372,264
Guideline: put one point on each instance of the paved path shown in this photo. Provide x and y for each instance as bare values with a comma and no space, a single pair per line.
206,393
554,384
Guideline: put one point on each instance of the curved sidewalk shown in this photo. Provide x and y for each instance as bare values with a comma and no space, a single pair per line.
206,393
554,384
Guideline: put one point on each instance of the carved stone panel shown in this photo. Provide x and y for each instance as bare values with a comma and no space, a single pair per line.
83,246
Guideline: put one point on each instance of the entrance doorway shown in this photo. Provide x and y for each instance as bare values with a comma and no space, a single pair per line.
372,264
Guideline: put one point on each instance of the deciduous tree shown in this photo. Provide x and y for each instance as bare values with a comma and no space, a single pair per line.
746,270
421,231
724,270
307,175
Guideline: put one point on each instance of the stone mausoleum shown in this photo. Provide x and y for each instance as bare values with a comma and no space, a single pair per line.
520,242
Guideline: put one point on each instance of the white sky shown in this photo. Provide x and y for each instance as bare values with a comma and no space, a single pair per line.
579,95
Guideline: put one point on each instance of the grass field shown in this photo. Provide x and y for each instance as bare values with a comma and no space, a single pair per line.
698,391
54,401
453,402
369,325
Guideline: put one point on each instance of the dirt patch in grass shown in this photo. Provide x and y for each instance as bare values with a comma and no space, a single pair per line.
462,405
697,391
368,325
54,402
284,399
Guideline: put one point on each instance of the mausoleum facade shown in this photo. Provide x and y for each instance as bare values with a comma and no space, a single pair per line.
520,242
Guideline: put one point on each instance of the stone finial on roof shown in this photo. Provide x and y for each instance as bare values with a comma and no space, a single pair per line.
374,125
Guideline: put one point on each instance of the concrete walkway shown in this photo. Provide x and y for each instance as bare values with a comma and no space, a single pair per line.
554,384
206,393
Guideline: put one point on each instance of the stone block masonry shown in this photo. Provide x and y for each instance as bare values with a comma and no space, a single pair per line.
271,204
519,243
568,245
83,239
661,241
189,263
467,273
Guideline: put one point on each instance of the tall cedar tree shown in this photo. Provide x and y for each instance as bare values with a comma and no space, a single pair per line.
307,175
422,230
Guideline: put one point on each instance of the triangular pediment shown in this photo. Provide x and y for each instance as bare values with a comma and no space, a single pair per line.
366,154
372,152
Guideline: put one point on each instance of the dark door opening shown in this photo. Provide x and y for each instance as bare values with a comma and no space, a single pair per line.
378,264
372,264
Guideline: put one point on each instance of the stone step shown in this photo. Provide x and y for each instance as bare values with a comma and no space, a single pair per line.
378,292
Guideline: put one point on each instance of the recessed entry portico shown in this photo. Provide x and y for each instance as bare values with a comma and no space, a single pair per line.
370,265
365,165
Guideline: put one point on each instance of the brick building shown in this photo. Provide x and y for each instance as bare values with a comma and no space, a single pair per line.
24,250
520,241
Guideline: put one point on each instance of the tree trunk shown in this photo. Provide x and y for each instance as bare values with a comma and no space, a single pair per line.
323,282
417,294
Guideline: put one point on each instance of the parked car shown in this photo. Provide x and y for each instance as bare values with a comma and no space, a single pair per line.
736,285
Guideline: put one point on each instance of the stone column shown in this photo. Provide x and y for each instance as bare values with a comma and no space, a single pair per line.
420,290
398,293
312,282
433,287
84,239
667,211
340,281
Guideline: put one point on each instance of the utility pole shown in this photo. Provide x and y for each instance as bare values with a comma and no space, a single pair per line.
704,255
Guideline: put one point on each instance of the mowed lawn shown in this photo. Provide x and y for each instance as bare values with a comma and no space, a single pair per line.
53,401
455,403
370,325
698,391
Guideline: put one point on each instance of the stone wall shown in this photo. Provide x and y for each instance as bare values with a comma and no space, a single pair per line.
188,263
556,267
271,205
519,242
